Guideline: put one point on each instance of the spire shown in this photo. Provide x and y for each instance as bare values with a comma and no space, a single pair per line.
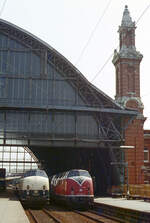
126,19
127,38
127,64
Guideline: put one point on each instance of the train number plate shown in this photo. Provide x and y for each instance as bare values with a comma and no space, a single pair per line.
35,192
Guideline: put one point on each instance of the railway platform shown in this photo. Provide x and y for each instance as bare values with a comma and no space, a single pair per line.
11,210
123,210
137,205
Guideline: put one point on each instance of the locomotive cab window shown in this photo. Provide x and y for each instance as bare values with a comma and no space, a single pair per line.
35,173
84,173
74,173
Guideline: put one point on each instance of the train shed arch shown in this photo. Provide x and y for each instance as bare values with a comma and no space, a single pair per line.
49,106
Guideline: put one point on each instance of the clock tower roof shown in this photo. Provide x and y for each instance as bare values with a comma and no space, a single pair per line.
126,19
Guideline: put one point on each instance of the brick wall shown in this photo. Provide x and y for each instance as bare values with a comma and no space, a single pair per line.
127,80
146,167
135,157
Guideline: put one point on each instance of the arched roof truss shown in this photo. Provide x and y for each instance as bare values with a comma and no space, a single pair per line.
88,116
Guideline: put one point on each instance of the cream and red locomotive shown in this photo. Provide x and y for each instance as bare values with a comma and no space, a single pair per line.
73,187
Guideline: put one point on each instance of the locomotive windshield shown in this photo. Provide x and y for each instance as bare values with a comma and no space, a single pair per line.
74,173
35,173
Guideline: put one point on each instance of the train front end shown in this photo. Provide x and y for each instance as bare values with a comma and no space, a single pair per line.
79,188
34,188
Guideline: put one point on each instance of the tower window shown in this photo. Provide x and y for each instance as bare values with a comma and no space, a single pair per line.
131,82
146,155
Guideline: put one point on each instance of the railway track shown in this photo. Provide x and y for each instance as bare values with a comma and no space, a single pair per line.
95,217
100,213
59,215
39,216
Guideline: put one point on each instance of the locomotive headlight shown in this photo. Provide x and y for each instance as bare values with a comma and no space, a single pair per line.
72,190
28,187
44,188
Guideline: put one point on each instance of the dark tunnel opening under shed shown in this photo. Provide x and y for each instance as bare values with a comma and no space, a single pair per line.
96,161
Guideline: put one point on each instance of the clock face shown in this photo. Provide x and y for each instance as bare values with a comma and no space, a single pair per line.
132,104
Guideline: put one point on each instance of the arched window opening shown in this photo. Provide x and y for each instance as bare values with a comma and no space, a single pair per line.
17,159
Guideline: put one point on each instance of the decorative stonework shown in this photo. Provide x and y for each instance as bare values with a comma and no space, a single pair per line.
124,100
128,53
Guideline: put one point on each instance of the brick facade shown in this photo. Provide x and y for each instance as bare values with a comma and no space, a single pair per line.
135,157
146,167
127,66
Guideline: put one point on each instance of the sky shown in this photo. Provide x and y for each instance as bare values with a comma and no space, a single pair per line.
86,33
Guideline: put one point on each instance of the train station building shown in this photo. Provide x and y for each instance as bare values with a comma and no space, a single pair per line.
49,107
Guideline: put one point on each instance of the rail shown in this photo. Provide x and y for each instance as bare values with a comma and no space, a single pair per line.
63,215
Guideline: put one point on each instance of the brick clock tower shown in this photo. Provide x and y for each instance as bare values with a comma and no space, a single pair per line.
127,66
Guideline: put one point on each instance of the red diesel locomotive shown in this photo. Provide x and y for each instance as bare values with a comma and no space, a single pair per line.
73,187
